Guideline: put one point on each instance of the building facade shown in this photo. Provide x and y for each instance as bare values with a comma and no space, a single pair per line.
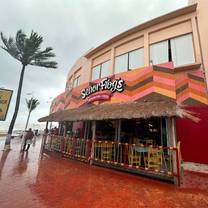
152,74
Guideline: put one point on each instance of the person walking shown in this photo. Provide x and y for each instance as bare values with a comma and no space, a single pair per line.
28,139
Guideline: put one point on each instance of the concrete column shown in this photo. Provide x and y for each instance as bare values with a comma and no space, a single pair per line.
202,26
197,50
146,49
112,61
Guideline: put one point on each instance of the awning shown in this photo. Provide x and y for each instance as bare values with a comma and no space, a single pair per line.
125,110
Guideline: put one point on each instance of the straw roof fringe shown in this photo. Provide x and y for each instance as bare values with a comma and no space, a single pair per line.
127,110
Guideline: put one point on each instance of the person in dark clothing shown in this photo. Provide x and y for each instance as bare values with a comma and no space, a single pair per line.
55,131
36,132
28,139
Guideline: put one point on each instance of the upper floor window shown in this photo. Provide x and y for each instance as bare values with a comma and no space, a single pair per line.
182,50
100,71
69,83
129,61
179,50
159,52
76,82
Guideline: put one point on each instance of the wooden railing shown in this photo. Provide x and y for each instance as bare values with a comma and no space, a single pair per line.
69,147
138,157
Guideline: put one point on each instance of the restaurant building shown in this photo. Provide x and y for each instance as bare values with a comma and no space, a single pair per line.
138,102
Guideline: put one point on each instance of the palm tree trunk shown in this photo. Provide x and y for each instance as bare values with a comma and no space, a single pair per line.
11,126
28,117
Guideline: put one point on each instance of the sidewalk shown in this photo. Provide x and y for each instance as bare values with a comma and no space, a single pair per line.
47,181
196,167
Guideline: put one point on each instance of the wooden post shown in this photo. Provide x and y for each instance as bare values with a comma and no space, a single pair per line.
119,130
85,129
173,141
116,130
161,132
46,125
93,140
51,125
65,124
59,128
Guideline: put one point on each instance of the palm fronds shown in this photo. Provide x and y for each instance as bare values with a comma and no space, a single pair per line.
32,103
27,50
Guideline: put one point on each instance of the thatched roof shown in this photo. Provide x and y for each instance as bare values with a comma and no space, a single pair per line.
121,111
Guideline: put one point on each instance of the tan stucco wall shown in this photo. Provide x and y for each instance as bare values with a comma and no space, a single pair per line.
193,22
202,18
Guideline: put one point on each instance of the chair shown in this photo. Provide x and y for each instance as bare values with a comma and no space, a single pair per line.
134,157
68,146
56,144
154,158
78,148
106,151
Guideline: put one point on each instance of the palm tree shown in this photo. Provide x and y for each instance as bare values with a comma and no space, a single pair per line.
32,103
27,51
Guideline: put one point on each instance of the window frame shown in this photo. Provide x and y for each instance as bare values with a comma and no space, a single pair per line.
100,70
77,80
128,54
170,49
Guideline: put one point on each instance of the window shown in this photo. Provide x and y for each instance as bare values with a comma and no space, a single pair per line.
96,72
136,59
159,52
129,61
100,71
179,50
69,83
121,63
76,82
182,50
104,71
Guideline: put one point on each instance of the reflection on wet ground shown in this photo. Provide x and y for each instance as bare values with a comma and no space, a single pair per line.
35,180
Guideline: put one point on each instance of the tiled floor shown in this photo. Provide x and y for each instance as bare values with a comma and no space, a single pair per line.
35,180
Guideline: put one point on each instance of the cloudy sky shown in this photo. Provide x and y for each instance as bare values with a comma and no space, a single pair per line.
71,27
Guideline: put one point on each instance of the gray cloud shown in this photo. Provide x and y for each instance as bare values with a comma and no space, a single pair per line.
71,28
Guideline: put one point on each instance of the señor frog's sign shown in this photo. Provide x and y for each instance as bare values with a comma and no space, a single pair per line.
106,84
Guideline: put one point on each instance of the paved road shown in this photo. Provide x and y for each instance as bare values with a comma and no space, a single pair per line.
34,180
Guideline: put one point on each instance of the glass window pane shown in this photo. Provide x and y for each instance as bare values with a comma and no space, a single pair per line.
182,50
121,63
136,58
159,52
96,72
74,83
78,80
105,69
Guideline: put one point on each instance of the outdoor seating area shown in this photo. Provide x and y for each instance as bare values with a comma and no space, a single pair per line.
157,160
153,158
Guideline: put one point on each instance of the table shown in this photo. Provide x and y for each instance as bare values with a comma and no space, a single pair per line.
141,149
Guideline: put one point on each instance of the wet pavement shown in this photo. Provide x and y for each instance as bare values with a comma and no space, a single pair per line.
48,181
